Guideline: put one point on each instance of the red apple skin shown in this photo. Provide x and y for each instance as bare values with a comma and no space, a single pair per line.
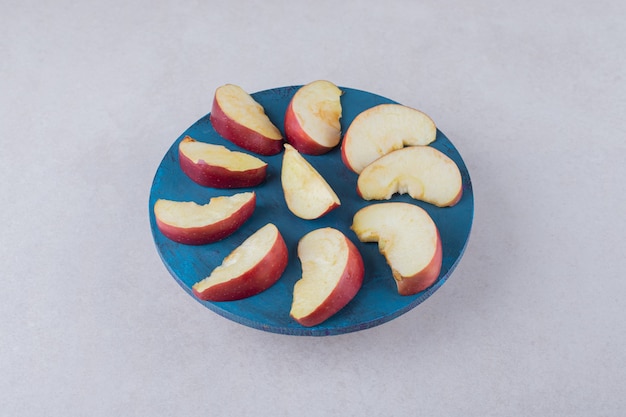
211,232
254,281
328,210
348,286
220,177
298,138
344,159
242,136
423,279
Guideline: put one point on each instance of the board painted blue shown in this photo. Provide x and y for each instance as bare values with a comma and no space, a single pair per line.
377,302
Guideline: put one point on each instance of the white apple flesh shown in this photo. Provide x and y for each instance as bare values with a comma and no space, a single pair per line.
251,268
332,274
422,172
409,240
312,118
381,129
306,192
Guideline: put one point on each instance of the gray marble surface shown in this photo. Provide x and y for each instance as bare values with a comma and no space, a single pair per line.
532,322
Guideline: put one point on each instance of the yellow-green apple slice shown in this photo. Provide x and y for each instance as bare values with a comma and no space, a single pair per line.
312,118
409,240
306,192
422,172
216,166
382,129
195,224
249,269
332,274
236,116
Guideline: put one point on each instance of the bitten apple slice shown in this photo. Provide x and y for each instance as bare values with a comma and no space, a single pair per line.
194,224
249,269
381,129
236,116
409,240
332,274
216,166
312,118
307,193
423,172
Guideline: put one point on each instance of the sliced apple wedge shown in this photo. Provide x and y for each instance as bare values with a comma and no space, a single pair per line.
312,118
332,274
381,129
409,240
236,116
249,269
423,172
307,193
194,224
216,166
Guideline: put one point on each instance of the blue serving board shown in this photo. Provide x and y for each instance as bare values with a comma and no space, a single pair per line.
377,302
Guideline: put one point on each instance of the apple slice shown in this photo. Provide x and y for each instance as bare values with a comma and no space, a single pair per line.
423,172
236,116
312,118
332,274
194,224
307,193
249,269
409,240
382,129
216,166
